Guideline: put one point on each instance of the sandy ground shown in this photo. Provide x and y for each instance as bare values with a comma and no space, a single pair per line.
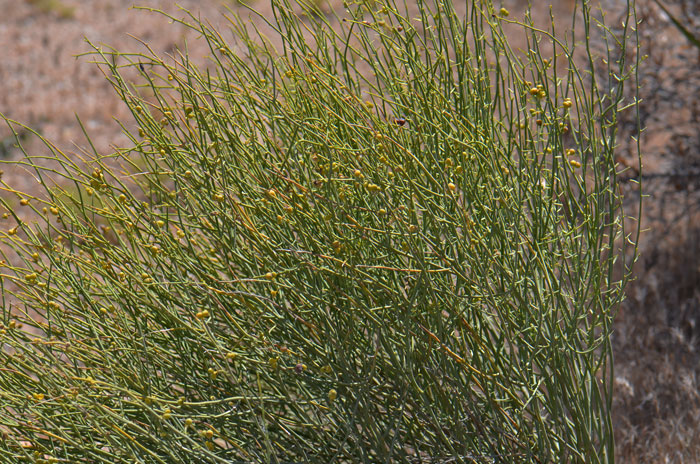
657,405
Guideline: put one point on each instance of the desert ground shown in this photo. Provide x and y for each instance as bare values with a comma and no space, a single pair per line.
47,80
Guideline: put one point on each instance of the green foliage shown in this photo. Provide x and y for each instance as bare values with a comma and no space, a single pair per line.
54,6
391,238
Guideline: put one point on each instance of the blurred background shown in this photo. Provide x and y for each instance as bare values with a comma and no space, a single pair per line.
45,83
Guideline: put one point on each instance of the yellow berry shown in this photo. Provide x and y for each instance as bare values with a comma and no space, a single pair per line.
504,12
24,202
452,187
332,394
575,163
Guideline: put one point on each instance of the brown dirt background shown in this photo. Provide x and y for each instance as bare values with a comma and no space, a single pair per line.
657,331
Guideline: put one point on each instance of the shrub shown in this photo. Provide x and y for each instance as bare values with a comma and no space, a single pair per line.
392,240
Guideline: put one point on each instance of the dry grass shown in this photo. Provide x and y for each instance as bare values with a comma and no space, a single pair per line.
657,341
45,85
